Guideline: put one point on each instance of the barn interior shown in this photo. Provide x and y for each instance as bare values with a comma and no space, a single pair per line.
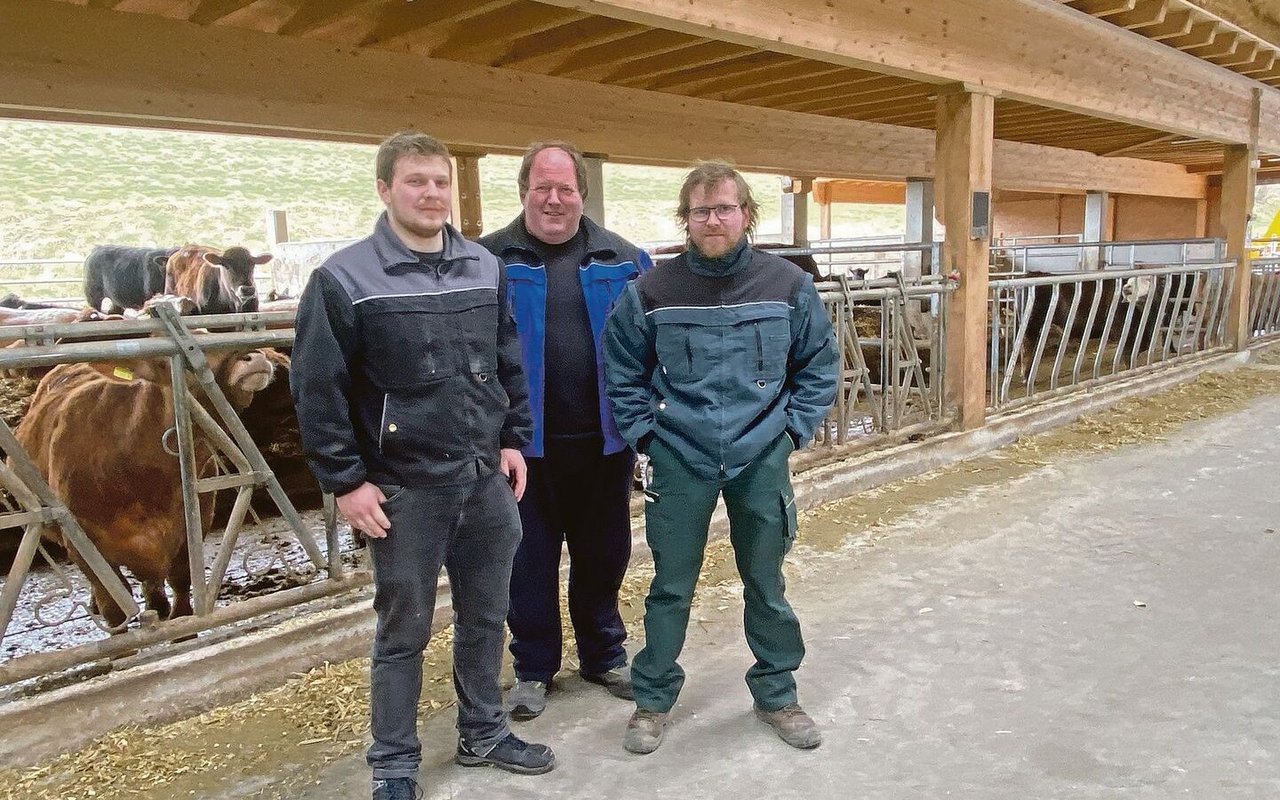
993,122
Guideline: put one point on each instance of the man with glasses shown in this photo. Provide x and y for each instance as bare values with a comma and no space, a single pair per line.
564,273
720,363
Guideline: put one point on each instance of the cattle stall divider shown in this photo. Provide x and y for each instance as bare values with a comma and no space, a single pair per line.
1264,297
169,337
1052,334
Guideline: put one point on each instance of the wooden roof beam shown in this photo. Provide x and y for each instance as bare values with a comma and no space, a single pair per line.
63,62
1029,50
211,11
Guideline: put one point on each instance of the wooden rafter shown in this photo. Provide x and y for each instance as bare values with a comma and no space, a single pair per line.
315,15
644,44
397,24
548,48
211,11
476,40
636,73
765,69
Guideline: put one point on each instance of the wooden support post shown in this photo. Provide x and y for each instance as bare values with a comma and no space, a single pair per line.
824,220
467,216
1239,179
277,227
919,228
795,210
593,200
1095,224
964,146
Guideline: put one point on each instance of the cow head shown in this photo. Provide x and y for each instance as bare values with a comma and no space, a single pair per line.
1137,289
237,265
239,373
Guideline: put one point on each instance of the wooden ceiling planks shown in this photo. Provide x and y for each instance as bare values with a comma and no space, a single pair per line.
563,39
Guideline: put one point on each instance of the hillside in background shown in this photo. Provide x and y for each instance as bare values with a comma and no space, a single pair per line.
66,188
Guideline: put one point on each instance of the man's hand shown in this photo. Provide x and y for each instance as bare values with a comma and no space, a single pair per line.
511,464
363,509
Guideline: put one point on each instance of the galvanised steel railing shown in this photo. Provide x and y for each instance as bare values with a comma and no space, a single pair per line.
1053,334
1062,257
890,335
46,622
1264,297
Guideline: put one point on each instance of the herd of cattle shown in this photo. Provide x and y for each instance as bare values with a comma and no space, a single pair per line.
96,430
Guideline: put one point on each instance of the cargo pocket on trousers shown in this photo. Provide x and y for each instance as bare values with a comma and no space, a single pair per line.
789,522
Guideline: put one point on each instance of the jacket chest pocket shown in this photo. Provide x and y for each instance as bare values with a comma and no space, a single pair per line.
767,345
411,347
678,345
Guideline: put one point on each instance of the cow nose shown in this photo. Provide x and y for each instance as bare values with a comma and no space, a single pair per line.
245,292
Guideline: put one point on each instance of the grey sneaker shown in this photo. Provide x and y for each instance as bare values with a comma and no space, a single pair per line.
616,680
396,789
645,730
793,726
512,754
527,699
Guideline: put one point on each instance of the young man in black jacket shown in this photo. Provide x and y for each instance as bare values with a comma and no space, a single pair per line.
413,408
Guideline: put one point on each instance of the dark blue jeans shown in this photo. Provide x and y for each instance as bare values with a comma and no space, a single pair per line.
576,496
472,530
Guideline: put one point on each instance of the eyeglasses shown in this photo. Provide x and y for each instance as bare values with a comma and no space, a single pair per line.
703,213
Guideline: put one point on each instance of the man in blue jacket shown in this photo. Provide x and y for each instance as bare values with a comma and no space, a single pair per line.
564,274
720,363
413,408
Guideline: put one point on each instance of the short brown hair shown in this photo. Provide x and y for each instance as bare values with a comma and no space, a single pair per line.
526,165
708,175
407,143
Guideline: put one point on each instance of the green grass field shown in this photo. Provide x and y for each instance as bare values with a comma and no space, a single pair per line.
65,188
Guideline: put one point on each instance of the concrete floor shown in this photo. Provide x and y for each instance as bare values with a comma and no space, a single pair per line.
1104,627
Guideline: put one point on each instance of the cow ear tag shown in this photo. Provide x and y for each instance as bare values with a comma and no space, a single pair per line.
123,373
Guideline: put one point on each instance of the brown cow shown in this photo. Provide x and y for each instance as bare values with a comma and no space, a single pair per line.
218,282
94,431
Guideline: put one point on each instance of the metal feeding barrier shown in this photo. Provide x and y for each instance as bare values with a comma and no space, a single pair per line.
890,337
1026,254
1264,297
1050,334
58,602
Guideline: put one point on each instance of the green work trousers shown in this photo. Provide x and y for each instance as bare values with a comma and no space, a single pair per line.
762,528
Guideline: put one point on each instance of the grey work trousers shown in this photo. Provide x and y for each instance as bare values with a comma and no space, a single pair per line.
473,531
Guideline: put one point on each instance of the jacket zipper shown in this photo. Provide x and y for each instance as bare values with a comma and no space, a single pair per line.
688,351
382,424
759,350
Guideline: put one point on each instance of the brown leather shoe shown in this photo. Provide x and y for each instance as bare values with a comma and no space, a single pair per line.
645,730
793,726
